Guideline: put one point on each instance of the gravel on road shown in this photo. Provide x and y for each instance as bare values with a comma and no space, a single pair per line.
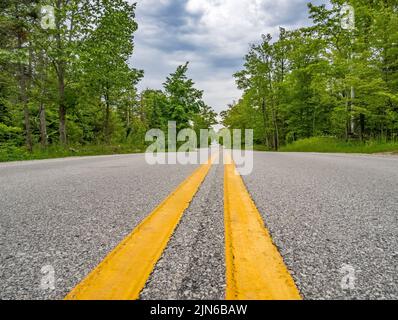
66,215
193,266
334,219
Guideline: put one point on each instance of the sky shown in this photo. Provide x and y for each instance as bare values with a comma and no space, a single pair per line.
213,35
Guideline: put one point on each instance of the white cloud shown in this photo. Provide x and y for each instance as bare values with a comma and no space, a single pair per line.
228,26
214,35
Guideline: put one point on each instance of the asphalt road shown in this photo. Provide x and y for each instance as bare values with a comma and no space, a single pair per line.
69,214
334,219
192,266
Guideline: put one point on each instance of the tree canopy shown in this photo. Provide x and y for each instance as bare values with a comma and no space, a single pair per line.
324,79
68,80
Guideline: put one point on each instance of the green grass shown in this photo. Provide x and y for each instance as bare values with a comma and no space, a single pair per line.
334,145
317,144
12,153
259,147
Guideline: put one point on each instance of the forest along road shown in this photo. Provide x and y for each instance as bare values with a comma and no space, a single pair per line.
334,219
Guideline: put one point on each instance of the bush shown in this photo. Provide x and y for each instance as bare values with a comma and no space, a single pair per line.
9,152
10,135
334,145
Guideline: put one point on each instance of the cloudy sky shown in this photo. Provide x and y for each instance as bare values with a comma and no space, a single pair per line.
213,35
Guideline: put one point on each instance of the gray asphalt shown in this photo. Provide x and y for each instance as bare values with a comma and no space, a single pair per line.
69,213
333,218
192,266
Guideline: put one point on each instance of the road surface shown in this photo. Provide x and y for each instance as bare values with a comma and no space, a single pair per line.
333,218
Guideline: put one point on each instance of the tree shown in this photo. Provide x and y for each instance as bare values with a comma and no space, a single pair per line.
17,18
184,101
323,79
105,55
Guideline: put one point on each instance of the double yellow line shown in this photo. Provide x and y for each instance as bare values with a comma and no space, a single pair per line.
255,269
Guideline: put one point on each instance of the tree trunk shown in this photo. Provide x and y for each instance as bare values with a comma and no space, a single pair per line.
264,113
24,99
29,142
43,126
128,117
362,125
276,130
61,80
352,119
62,110
347,120
107,132
107,129
314,122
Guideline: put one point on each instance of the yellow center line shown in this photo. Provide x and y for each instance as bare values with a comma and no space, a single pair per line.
255,268
123,273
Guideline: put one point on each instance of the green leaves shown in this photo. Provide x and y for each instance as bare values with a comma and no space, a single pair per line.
323,79
184,101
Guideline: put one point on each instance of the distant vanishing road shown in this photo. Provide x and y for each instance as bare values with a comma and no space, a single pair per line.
333,219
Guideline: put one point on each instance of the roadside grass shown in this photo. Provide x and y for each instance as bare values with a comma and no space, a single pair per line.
316,144
259,147
12,153
334,145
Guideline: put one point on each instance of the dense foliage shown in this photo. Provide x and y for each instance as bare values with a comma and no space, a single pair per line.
323,80
68,80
